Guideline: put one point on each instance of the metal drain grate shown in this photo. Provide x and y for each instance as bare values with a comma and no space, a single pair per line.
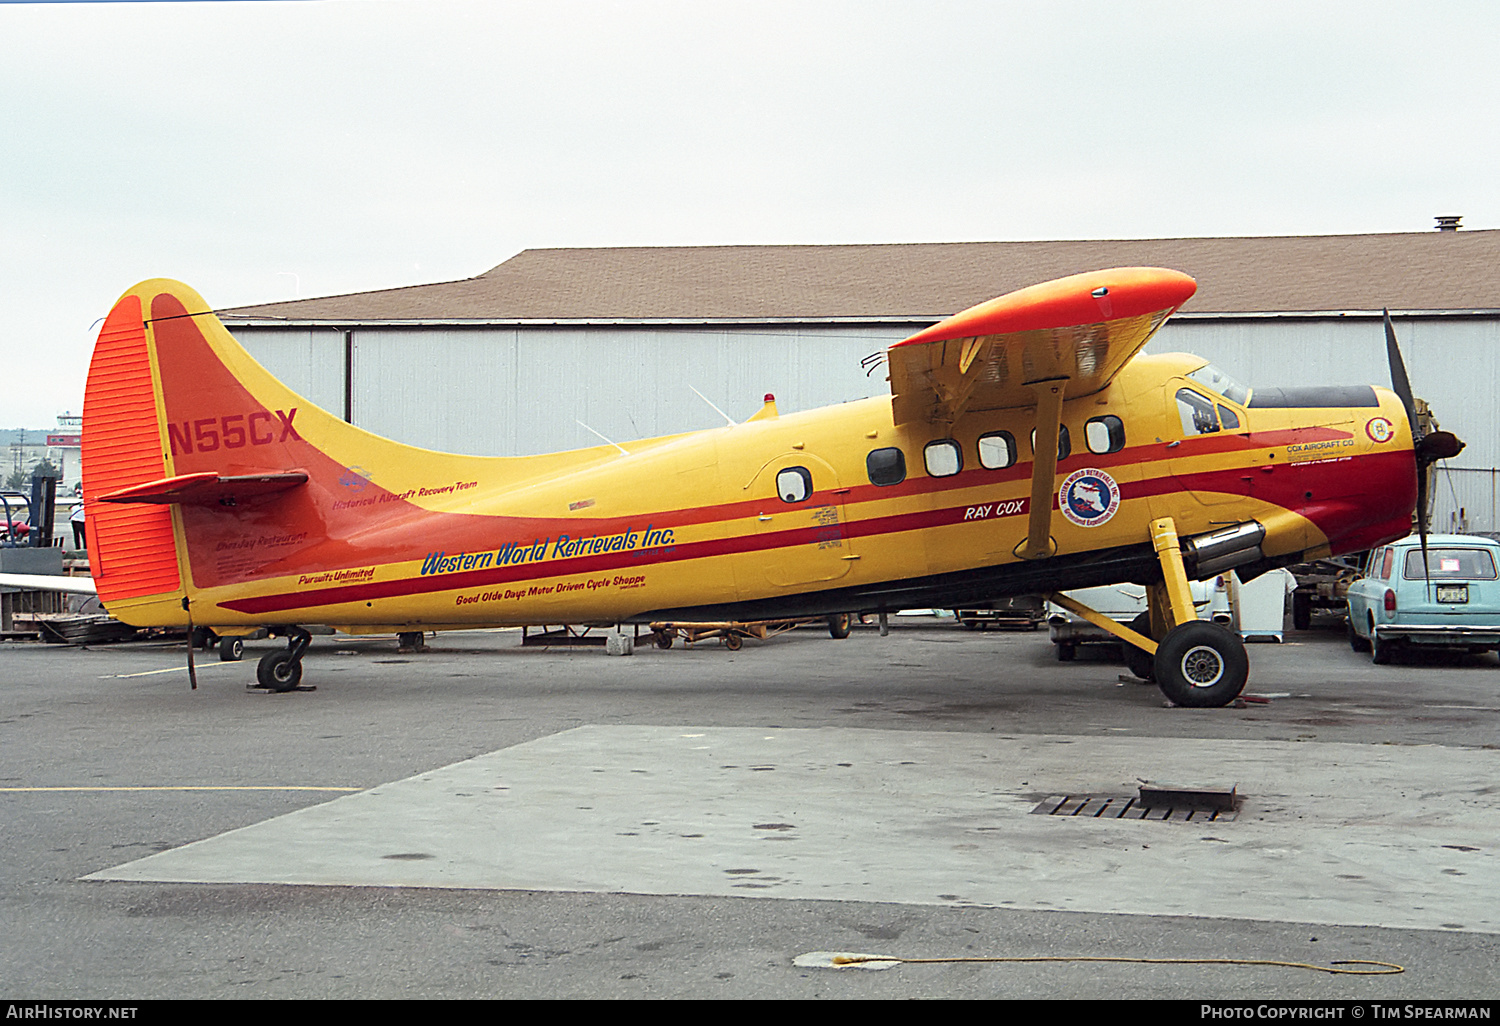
1127,807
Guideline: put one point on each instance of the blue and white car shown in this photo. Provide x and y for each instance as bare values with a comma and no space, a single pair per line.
1454,604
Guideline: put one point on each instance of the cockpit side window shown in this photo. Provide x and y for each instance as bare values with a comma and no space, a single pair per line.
1215,380
1197,413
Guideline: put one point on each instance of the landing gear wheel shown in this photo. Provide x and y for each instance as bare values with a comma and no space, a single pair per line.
231,650
1066,650
1139,661
664,638
838,625
1356,642
1201,665
278,671
411,641
733,641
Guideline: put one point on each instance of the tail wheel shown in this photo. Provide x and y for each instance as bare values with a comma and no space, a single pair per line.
838,625
279,671
1138,661
1201,665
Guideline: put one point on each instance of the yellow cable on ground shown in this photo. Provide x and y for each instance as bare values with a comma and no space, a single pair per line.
1387,968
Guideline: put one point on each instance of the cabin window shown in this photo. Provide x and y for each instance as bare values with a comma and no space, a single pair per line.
1228,418
997,450
1197,413
1105,434
1064,443
944,458
886,467
794,484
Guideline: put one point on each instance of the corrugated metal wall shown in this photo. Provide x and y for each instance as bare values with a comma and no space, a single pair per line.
516,390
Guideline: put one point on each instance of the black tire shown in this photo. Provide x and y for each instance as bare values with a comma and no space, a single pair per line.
1138,661
1301,610
411,641
1201,665
1066,651
733,641
231,650
663,639
838,625
1356,642
278,671
1380,651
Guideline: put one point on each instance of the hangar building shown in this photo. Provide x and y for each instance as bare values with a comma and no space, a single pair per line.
554,345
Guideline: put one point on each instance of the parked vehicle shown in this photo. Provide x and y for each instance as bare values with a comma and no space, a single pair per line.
1453,603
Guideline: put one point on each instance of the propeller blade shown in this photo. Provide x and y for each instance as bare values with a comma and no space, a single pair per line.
1399,382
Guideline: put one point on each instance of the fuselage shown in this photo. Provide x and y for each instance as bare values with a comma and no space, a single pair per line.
829,510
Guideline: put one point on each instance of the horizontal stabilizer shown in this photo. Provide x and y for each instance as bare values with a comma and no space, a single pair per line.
209,489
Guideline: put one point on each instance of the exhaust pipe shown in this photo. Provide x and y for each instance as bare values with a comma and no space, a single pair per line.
1205,555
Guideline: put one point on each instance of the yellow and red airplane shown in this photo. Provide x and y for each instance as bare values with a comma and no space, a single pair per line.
1027,446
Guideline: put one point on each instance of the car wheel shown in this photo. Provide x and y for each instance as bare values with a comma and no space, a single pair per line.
1380,651
1201,665
1137,660
1301,610
1356,642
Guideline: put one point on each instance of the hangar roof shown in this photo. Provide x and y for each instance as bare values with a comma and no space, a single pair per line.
1446,271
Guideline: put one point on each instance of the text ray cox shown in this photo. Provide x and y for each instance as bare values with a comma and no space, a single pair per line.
564,548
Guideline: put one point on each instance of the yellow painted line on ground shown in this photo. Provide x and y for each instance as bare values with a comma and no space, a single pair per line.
191,788
169,669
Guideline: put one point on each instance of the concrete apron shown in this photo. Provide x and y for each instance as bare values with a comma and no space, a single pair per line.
1377,835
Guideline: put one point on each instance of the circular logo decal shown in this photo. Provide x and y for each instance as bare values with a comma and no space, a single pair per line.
1089,497
1379,429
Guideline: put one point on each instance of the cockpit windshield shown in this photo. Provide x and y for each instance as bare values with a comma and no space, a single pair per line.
1212,377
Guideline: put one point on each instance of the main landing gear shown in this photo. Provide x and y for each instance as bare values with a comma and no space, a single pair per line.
282,671
1195,663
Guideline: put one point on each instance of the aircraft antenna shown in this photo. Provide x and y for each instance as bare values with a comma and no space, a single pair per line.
611,441
710,402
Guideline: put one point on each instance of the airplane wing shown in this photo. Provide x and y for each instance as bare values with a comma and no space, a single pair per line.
1037,347
1078,331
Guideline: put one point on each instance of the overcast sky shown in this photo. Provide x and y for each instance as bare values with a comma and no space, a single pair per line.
269,150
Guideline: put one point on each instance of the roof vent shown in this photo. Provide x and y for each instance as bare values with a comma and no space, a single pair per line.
1448,222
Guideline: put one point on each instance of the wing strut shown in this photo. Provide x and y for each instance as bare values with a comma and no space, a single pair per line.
1049,400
